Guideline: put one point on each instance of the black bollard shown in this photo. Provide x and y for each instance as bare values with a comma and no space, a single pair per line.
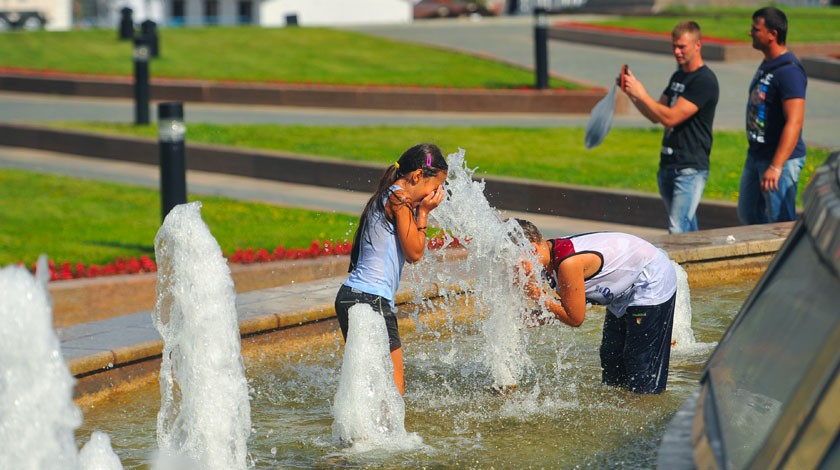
141,81
126,24
541,47
148,29
173,168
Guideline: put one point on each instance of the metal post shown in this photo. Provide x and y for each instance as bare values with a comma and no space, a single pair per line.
141,81
148,29
541,47
173,168
126,30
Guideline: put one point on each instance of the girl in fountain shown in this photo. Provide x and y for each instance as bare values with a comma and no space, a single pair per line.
392,230
634,280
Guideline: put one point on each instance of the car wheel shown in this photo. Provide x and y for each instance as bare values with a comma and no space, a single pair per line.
443,12
32,23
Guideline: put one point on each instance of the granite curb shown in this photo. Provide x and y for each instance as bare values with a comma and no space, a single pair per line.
580,202
823,67
105,353
321,96
725,51
86,300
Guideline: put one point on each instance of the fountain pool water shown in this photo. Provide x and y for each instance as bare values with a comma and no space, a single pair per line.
563,418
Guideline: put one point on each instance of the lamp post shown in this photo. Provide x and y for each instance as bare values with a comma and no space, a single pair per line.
541,47
141,81
126,30
148,29
173,168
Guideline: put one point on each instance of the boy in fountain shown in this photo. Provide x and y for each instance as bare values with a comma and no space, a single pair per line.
634,280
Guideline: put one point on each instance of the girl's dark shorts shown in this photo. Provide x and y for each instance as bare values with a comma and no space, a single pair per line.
348,296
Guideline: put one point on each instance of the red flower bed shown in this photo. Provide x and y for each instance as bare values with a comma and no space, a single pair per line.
67,270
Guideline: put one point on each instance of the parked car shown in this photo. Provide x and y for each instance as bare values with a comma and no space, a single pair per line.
456,8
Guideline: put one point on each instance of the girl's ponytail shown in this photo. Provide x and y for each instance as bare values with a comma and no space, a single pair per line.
426,157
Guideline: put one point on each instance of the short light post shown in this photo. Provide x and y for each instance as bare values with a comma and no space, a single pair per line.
173,167
148,29
126,30
141,81
541,47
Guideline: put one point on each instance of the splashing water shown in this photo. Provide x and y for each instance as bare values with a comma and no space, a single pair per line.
37,413
368,409
97,454
683,335
205,417
492,263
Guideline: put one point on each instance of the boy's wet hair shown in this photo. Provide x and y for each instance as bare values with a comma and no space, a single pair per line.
532,233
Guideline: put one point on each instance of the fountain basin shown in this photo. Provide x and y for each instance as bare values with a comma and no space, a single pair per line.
111,352
559,414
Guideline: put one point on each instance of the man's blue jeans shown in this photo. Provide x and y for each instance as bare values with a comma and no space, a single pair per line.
681,190
758,207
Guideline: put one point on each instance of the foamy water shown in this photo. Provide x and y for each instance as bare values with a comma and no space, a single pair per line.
491,266
205,418
683,334
37,413
97,454
368,409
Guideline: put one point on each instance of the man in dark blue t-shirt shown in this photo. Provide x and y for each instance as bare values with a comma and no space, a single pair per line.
687,110
775,115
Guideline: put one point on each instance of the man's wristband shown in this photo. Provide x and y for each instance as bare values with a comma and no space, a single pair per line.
776,168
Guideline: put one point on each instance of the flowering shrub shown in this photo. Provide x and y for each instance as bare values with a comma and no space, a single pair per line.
67,270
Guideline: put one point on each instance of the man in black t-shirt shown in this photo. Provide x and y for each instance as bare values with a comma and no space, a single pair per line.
687,110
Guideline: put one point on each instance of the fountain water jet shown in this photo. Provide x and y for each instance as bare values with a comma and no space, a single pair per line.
205,415
494,255
37,413
496,248
683,335
369,411
97,454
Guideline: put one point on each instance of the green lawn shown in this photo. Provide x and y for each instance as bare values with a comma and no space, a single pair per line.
92,222
804,24
290,55
627,159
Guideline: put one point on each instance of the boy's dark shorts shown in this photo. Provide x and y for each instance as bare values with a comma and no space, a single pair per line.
348,296
636,348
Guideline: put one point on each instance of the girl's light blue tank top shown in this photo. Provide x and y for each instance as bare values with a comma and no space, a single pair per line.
379,267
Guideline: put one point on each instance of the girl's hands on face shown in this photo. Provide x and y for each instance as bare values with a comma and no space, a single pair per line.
432,200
